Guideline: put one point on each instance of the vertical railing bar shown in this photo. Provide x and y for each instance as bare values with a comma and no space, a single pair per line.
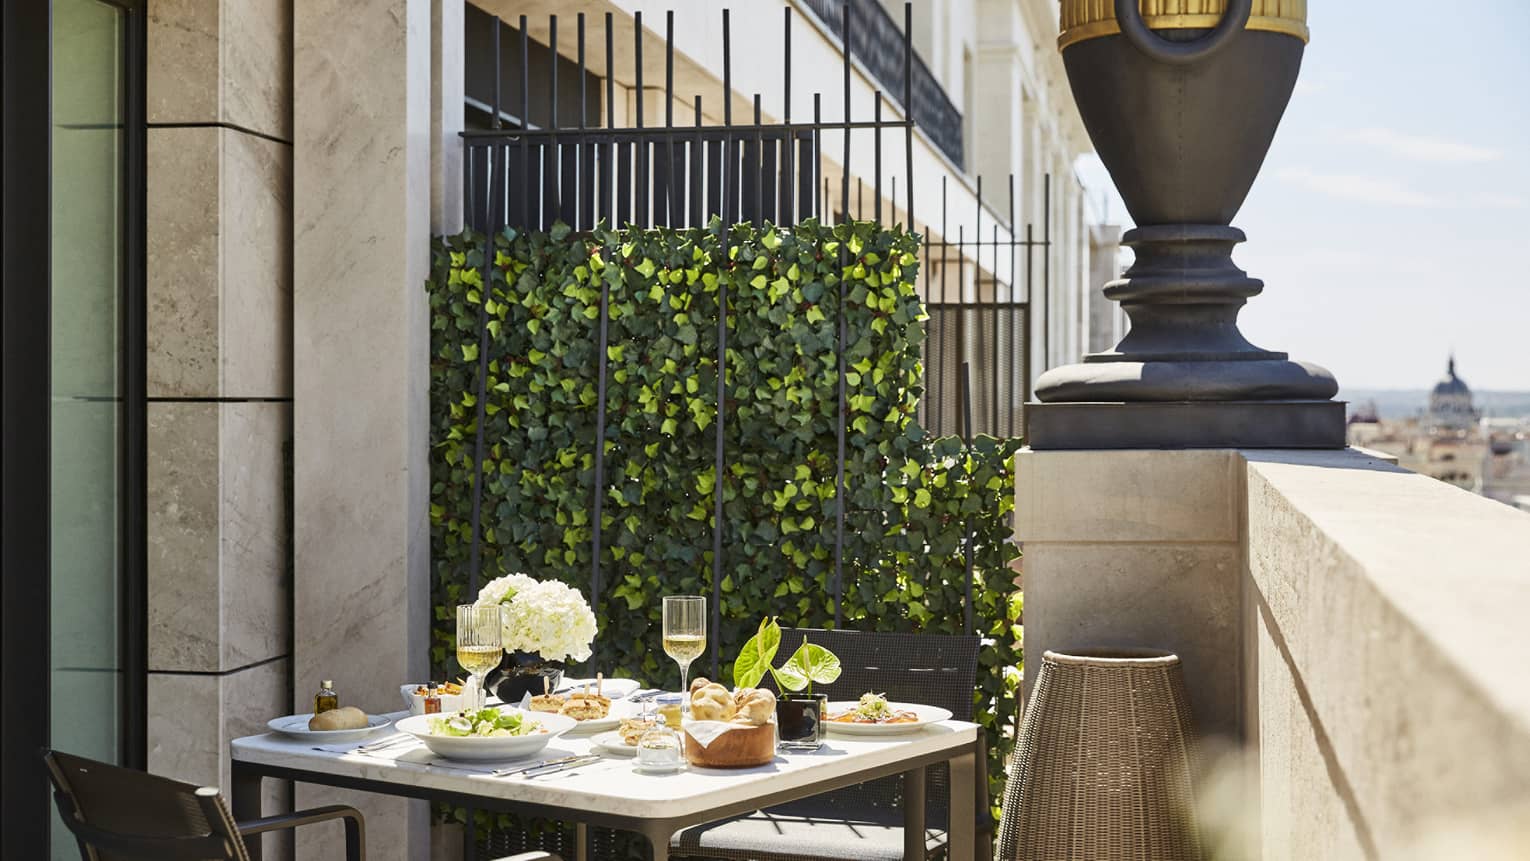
470,155
1030,304
876,164
697,174
967,437
728,166
758,167
994,411
1046,270
961,309
1013,280
841,413
582,219
945,311
787,213
640,146
908,106
608,166
977,272
525,124
818,198
554,155
719,465
860,198
670,218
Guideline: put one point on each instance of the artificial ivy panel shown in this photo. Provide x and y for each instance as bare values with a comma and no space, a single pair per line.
911,497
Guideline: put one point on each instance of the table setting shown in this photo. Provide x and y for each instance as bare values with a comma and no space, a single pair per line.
516,734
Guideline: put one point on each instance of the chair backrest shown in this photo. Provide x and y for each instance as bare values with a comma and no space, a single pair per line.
932,669
119,814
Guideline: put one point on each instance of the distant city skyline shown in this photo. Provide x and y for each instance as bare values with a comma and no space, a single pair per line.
1387,218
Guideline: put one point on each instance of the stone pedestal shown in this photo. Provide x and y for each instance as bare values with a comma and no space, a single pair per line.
1185,424
1138,549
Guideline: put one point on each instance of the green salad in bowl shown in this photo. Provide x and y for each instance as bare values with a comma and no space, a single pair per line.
485,723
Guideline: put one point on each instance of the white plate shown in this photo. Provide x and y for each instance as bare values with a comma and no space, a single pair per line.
296,726
611,742
613,719
927,716
487,748
616,689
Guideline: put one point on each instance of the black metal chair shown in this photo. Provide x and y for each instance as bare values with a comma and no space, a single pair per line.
863,821
119,814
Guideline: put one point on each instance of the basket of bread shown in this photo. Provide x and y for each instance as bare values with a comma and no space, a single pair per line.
729,729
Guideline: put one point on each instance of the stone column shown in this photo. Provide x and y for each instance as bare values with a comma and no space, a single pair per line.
1138,549
219,161
361,211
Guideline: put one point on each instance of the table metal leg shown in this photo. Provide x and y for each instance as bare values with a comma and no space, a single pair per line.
245,800
658,841
963,813
913,814
581,841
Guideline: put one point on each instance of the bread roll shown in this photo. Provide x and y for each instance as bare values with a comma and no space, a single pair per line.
698,683
755,706
713,702
348,717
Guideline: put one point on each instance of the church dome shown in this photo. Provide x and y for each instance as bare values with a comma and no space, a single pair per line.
1451,384
1450,404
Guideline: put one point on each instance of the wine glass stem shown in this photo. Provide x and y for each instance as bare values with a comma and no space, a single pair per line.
685,675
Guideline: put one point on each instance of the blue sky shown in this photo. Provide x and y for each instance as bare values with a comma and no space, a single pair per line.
1392,216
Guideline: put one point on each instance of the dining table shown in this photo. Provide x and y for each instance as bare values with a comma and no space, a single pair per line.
611,792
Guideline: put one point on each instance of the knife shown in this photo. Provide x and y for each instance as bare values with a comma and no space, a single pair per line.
560,765
518,769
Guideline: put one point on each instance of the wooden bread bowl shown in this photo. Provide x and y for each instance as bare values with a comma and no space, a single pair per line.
740,747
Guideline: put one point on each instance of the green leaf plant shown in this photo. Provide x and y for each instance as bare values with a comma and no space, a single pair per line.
810,663
910,496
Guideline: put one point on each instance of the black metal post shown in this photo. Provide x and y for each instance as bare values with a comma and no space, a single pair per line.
841,413
1013,309
640,148
719,464
908,108
967,541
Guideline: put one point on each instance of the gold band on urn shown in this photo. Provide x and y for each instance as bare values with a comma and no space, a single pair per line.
1091,19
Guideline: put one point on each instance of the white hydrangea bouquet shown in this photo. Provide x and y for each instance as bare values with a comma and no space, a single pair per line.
545,618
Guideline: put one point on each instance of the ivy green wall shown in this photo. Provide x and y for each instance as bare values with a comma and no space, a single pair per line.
910,495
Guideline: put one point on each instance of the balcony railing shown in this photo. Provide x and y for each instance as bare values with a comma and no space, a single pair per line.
876,41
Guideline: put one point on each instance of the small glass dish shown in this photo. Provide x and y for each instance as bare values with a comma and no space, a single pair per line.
658,750
668,707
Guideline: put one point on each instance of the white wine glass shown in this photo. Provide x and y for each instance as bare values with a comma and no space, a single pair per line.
478,646
685,632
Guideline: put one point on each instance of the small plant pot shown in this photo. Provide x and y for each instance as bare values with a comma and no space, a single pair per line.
799,720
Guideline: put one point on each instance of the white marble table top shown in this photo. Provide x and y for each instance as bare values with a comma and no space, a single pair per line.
611,785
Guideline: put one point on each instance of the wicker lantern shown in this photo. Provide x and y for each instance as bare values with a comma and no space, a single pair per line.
1102,770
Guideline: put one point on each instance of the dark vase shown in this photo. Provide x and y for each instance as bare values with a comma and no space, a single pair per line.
799,720
521,673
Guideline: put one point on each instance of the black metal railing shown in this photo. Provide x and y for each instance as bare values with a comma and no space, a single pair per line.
977,349
877,42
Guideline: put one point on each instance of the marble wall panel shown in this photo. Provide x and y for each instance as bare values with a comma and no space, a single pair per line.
361,230
227,62
219,264
219,596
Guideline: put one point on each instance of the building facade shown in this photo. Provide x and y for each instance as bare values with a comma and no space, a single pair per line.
1453,442
235,482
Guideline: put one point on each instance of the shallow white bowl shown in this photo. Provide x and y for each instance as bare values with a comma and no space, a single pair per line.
488,749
